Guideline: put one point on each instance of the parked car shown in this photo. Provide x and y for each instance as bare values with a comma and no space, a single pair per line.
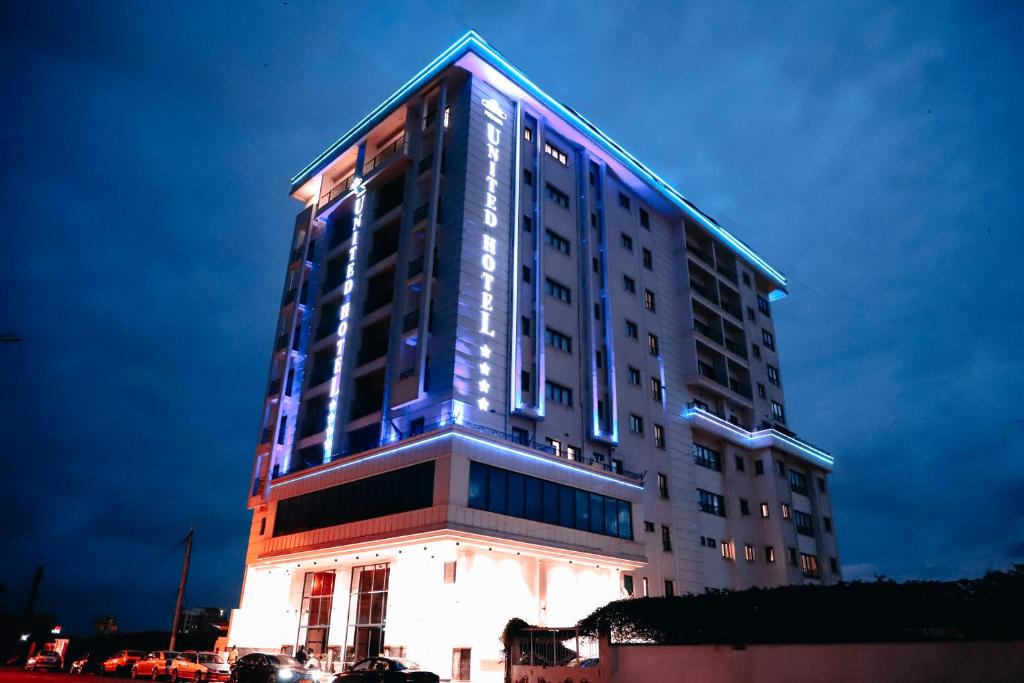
387,670
200,666
121,663
86,664
154,665
260,667
44,659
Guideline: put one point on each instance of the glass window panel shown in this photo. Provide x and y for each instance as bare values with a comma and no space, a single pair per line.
611,517
625,520
550,502
516,486
496,490
582,510
477,486
596,513
534,502
566,516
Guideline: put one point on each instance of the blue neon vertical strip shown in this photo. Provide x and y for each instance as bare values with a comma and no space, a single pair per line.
515,383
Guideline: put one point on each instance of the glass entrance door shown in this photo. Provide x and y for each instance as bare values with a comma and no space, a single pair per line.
315,615
367,612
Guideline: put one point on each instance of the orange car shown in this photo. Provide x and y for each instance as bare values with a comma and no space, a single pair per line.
121,663
154,665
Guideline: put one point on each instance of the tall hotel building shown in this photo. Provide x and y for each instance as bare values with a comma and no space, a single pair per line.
515,375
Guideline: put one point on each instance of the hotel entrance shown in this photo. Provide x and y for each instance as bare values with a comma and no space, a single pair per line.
315,614
367,612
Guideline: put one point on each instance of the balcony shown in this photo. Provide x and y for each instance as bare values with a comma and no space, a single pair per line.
741,388
699,253
384,156
709,371
378,299
729,273
732,309
704,291
298,254
282,342
713,335
340,189
411,321
275,387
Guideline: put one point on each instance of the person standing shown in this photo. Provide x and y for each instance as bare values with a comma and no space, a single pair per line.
301,656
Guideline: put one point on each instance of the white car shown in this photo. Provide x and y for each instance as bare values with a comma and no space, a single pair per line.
46,659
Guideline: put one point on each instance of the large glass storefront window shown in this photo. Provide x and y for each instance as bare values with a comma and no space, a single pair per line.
367,612
315,615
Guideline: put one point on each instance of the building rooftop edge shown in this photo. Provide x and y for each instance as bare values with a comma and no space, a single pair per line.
471,41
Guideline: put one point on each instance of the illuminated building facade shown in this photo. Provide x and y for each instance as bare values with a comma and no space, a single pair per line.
515,375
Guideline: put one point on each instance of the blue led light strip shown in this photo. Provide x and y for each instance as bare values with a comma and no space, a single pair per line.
472,41
749,438
467,437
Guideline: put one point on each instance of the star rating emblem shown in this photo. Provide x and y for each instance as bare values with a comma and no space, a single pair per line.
483,404
485,369
485,351
484,385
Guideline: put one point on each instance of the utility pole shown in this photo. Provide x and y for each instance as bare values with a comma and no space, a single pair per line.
181,587
31,604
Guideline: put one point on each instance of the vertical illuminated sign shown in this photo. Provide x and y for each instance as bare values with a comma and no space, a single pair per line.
489,246
343,315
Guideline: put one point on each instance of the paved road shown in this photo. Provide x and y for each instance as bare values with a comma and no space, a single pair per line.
12,675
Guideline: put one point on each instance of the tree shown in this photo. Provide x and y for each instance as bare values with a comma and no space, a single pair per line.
106,624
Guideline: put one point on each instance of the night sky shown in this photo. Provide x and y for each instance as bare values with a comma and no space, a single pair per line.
873,154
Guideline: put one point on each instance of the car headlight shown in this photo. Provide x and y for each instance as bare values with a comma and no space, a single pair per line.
285,674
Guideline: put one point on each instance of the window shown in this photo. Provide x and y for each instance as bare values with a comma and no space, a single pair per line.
527,133
659,436
632,331
282,430
555,445
646,590
666,539
597,311
756,350
780,468
648,300
741,464
572,452
707,457
527,224
662,486
746,278
669,589
762,305
773,374
524,381
821,484
599,359
558,393
528,177
557,290
652,344
728,550
648,259
769,554
761,391
629,284
461,664
767,339
833,564
556,195
624,201
596,265
633,375
527,274
263,525
748,552
555,240
804,525
656,389
778,411
527,324
449,572
744,507
786,512
712,503
765,510
558,340
758,467
626,241
798,482
791,552
401,490
649,526
645,219
809,565
556,154
520,435
636,424
826,522
709,542
627,584
517,495
751,316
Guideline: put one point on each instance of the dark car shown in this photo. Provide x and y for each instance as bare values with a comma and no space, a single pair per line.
261,667
387,670
86,664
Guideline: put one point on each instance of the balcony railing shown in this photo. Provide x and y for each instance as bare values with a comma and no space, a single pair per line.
340,188
298,253
696,251
732,309
727,272
741,388
282,342
384,156
703,291
275,387
711,334
420,213
378,300
709,371
411,321
415,266
736,347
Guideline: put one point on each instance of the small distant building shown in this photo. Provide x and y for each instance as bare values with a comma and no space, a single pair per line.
203,620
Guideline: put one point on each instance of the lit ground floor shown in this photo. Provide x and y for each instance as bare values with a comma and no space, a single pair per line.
441,599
